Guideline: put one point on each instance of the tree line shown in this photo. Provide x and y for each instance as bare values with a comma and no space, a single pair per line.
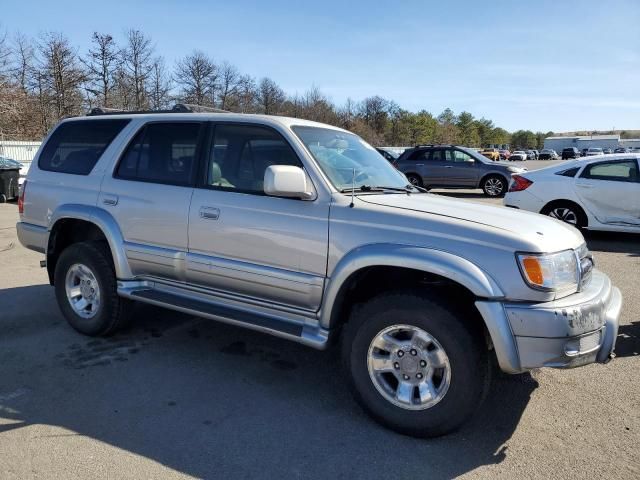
45,79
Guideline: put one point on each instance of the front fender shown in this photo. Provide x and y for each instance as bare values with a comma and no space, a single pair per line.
105,222
438,262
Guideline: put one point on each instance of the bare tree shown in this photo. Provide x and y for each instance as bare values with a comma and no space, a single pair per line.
23,61
138,63
159,85
247,94
229,77
196,76
271,96
62,74
101,62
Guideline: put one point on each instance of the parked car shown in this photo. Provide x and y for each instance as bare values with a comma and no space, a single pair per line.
504,154
531,155
621,150
518,155
598,194
607,151
594,151
266,223
570,153
390,156
547,154
451,166
491,153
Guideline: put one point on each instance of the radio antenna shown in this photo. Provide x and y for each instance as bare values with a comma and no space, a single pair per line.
353,186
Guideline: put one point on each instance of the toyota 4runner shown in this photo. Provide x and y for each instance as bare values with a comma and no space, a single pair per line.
304,231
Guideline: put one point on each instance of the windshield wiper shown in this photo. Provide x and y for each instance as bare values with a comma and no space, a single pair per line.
362,188
381,188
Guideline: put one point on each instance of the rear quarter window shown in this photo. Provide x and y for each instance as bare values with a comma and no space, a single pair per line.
75,147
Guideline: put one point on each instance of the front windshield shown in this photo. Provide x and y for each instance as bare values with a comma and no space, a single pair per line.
339,154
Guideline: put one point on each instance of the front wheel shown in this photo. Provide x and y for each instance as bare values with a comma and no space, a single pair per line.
415,180
413,365
494,186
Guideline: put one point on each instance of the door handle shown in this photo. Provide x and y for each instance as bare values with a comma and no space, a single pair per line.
110,199
448,166
419,164
583,185
209,213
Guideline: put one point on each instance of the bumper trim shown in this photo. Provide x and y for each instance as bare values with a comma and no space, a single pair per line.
33,237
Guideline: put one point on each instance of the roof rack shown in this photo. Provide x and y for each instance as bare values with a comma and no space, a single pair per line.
434,145
177,108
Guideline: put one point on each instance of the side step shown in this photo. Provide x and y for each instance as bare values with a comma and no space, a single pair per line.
299,332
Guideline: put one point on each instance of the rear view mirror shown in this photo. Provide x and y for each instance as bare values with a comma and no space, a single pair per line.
287,181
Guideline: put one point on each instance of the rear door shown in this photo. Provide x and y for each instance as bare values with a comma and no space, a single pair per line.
149,194
610,190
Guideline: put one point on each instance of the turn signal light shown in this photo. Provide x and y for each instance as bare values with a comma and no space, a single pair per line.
533,270
519,183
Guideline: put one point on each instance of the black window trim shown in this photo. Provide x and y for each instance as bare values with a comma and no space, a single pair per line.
201,180
126,121
197,155
618,160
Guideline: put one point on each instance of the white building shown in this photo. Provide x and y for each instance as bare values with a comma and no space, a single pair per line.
582,141
18,150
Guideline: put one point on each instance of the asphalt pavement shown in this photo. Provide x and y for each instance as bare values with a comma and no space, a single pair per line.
180,397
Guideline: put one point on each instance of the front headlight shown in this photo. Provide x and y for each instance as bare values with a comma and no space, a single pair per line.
550,271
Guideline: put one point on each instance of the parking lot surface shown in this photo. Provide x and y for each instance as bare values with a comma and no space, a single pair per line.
180,397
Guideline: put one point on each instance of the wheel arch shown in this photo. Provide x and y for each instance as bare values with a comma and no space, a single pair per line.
73,223
493,173
434,263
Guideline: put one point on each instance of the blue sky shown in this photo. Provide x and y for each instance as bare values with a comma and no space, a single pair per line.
540,65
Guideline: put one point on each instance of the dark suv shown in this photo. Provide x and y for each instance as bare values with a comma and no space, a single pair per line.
452,166
571,152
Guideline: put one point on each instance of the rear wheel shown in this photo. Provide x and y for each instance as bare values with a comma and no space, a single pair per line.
568,212
494,186
86,290
415,180
413,365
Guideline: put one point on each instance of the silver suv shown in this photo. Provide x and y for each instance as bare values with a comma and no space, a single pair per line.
452,166
304,231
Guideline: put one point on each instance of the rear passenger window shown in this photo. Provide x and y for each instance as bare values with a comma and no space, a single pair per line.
161,153
569,173
240,154
75,147
618,171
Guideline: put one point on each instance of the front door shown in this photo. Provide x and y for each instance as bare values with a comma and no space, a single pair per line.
610,190
245,243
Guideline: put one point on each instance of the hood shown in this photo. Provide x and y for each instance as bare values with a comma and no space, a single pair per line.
547,233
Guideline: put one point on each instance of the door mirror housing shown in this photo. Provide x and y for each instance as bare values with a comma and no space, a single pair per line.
469,160
287,181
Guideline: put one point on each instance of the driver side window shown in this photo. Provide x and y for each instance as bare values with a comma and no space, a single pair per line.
240,154
458,156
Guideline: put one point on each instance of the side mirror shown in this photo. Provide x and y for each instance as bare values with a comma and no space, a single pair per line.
287,181
469,160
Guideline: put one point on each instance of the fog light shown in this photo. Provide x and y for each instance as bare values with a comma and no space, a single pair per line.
584,344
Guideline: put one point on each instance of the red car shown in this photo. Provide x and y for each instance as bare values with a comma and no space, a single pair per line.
505,154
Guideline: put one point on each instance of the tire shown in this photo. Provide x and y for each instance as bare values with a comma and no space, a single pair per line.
566,211
494,186
3,198
468,365
414,180
105,312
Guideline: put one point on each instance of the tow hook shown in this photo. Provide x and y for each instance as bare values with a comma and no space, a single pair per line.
43,263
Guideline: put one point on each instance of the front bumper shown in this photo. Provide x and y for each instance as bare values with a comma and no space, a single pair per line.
570,332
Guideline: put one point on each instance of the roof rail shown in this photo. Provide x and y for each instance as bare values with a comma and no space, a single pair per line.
177,108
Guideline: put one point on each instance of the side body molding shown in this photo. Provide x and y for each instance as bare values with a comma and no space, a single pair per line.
433,261
105,222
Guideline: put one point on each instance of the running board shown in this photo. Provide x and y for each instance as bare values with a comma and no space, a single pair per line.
293,329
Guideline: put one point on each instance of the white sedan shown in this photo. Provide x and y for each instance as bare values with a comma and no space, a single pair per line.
601,193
